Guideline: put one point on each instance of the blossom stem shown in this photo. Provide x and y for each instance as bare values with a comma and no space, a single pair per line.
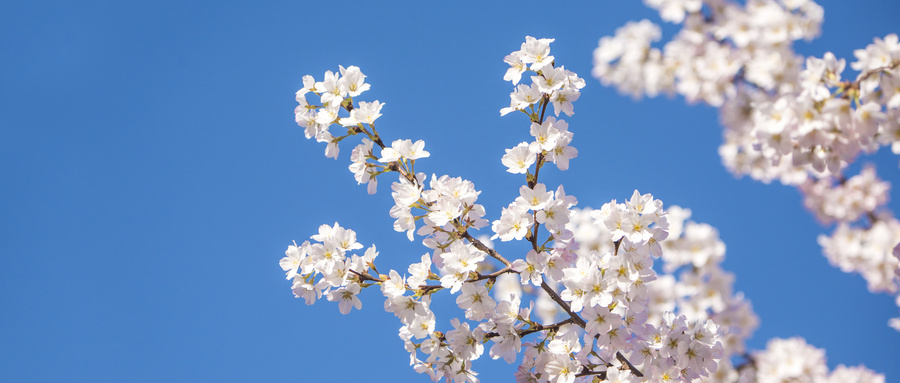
544,108
533,329
365,277
565,306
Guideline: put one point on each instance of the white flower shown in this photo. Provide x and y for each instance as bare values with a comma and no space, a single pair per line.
395,285
519,159
423,325
444,210
523,97
536,52
534,199
346,296
514,223
405,194
367,112
419,271
330,87
352,81
293,256
465,342
545,135
516,67
600,320
531,268
476,300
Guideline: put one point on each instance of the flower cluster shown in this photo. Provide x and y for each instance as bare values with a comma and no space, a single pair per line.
798,120
703,289
556,85
582,302
700,292
868,251
848,200
549,85
792,360
325,267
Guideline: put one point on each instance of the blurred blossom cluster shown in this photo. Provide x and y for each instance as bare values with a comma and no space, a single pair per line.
799,120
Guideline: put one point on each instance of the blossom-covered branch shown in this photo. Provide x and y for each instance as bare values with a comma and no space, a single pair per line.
580,300
785,117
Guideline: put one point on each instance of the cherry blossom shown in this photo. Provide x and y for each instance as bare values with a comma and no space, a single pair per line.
799,120
584,301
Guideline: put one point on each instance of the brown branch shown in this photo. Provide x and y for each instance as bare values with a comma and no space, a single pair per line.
600,374
365,277
533,329
577,320
544,108
535,227
749,362
631,367
537,169
481,246
556,298
426,288
494,275
864,76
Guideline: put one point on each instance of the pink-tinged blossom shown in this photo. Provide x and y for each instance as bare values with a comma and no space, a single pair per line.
879,54
600,320
476,301
462,257
857,374
790,360
406,308
403,149
562,369
454,187
555,215
531,268
507,344
465,342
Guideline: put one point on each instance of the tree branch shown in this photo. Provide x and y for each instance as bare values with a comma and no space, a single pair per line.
481,246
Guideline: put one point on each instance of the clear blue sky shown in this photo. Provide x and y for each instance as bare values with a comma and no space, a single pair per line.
152,176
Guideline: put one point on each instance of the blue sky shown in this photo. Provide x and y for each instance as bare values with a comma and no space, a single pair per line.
153,176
